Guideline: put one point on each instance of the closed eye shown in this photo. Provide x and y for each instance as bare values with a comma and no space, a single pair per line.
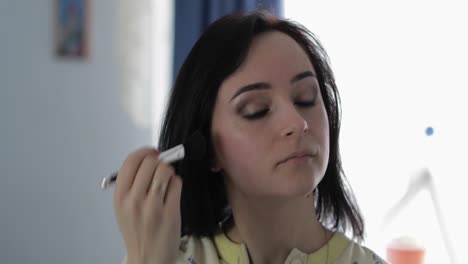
305,104
257,115
261,113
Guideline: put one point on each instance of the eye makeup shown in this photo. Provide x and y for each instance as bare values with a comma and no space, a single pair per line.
253,108
258,104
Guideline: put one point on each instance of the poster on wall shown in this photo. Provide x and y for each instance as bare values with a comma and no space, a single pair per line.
71,28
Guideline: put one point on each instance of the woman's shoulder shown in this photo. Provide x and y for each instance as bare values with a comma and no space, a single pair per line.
197,250
353,252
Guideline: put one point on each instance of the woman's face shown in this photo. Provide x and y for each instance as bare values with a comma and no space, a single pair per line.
270,127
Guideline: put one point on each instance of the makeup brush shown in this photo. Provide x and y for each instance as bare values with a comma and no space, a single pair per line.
194,148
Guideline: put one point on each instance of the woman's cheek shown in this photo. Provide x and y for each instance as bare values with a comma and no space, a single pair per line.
242,160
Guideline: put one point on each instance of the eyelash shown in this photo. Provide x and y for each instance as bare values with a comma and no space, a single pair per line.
262,113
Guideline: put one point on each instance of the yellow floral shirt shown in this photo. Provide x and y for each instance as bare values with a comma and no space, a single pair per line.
221,250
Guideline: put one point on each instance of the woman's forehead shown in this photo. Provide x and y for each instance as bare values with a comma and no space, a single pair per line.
272,57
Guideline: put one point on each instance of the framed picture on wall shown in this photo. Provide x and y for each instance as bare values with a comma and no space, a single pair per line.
71,19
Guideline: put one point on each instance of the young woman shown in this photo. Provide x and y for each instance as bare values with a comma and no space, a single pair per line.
271,188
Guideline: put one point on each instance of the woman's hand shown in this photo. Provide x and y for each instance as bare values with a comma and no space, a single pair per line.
147,208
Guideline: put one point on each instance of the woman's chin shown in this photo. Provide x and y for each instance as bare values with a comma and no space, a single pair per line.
295,189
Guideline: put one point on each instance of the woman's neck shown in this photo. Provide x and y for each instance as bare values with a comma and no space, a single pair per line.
271,229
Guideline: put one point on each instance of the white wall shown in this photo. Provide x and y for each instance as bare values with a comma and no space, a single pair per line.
62,128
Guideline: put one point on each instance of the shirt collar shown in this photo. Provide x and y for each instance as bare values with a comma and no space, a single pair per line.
235,253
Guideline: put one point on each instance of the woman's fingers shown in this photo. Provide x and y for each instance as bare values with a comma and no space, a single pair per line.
142,184
160,183
144,176
128,170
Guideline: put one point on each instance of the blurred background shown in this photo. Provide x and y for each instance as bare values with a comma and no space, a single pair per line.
83,83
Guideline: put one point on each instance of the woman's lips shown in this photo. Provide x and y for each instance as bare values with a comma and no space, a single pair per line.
298,157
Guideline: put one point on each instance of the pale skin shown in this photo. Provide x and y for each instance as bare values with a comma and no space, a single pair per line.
271,200
147,208
271,163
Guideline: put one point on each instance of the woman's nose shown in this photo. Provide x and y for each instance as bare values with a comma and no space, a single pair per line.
294,124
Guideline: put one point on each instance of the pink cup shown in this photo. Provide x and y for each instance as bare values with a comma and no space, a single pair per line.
405,250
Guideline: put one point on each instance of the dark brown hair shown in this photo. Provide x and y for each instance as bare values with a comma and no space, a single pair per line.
217,54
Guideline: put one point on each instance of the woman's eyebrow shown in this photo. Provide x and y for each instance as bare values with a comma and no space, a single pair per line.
302,75
251,87
264,85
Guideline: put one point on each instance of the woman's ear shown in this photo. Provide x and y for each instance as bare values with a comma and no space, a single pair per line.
215,169
215,165
216,159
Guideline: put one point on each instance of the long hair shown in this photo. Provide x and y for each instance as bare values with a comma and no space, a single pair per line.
217,54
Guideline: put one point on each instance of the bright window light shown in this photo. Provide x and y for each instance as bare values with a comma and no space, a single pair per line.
400,68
